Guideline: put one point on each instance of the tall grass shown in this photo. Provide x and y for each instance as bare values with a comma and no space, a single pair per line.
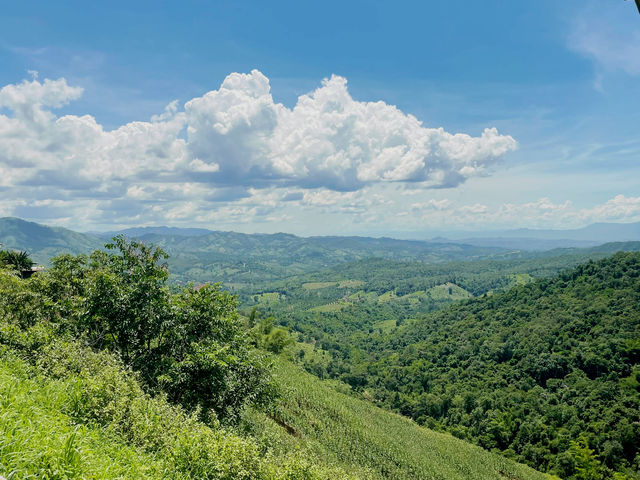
368,441
79,414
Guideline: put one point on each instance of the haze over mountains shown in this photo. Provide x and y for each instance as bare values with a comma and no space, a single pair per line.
44,241
533,239
591,234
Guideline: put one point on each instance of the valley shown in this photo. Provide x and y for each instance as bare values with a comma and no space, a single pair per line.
489,356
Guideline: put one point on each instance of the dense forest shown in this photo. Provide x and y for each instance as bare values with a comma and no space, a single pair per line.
536,372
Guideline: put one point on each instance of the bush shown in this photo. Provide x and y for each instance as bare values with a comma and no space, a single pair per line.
189,345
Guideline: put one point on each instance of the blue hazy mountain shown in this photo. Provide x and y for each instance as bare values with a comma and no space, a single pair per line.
139,232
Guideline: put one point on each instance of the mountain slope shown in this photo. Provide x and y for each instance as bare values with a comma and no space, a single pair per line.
531,372
43,242
362,438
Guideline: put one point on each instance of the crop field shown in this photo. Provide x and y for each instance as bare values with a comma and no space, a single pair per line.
360,437
317,285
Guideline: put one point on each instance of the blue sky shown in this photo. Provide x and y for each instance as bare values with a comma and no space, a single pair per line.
559,81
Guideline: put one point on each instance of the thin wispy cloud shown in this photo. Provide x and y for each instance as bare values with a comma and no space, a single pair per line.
609,36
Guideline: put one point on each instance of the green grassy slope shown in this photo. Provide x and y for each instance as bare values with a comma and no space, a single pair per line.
80,415
370,442
52,427
39,440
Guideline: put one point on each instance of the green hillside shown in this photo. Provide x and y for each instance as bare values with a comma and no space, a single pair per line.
541,372
368,441
106,372
348,308
246,261
44,242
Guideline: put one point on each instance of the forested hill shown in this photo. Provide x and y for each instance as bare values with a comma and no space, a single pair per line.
42,241
237,258
243,260
107,372
539,372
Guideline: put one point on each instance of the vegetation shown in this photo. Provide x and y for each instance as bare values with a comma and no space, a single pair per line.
106,372
360,303
17,261
547,372
188,344
324,419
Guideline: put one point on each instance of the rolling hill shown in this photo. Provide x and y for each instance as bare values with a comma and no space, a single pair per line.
236,258
537,372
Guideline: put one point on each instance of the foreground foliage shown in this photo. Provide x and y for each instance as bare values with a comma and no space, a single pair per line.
188,345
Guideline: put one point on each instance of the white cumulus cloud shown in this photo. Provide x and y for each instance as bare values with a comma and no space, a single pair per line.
328,139
217,147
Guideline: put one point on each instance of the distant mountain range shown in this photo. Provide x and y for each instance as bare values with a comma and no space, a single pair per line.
531,239
521,238
142,231
238,258
202,255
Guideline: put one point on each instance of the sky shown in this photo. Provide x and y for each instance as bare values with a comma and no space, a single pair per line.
403,118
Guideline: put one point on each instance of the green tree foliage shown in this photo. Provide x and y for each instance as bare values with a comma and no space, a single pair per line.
16,260
277,340
188,344
526,372
586,465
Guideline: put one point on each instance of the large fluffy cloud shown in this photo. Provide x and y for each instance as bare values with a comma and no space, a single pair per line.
327,140
75,152
236,135
235,157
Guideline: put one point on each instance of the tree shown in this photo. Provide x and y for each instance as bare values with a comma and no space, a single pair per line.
190,345
277,340
126,304
16,260
587,466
